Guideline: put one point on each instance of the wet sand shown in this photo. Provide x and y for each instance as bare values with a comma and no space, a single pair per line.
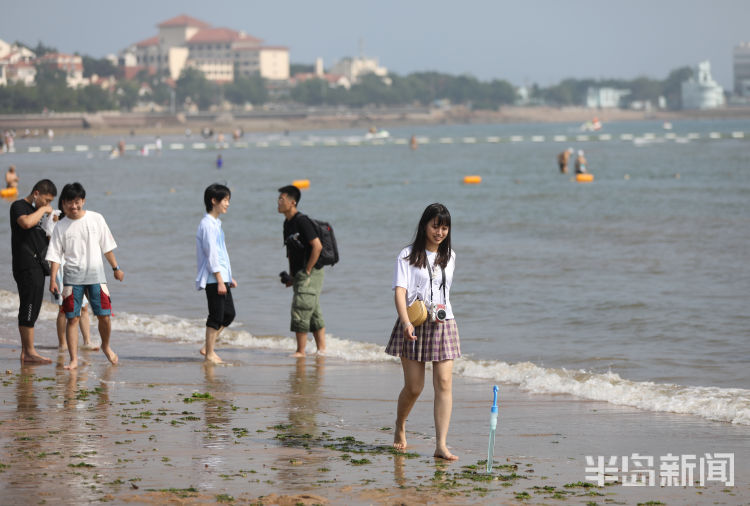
163,427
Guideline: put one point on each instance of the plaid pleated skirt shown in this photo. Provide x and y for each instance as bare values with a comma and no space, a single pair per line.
435,342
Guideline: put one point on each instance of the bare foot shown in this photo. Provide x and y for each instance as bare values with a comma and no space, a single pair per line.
34,358
111,355
321,353
214,359
444,454
203,351
399,438
298,354
89,346
62,349
72,365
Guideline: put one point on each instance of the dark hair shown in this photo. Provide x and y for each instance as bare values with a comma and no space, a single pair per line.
215,191
418,257
45,187
292,191
71,191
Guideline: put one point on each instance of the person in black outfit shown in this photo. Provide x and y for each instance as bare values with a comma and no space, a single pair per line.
29,247
303,249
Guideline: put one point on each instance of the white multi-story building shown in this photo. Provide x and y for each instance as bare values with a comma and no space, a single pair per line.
604,98
741,64
21,72
220,53
71,64
701,91
16,64
354,68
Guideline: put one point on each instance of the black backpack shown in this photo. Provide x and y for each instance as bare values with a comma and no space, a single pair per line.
329,255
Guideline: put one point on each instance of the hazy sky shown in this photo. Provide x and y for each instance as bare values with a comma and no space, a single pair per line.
523,41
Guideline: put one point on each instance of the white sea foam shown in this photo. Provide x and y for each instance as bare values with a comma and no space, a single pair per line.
713,403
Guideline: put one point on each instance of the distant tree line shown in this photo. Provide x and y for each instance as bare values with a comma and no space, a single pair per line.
573,91
53,94
420,88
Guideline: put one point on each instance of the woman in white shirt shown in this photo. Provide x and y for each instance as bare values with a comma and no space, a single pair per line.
424,271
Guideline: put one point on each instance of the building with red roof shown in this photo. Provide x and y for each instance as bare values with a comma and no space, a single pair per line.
220,53
16,64
71,64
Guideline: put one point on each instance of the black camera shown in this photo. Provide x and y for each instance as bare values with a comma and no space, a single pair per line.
294,242
286,278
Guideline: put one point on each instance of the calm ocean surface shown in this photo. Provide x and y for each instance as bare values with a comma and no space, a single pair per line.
633,289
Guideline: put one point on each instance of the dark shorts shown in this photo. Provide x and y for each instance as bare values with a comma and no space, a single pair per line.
220,307
30,283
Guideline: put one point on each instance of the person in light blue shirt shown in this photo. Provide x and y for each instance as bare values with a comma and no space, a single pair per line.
214,268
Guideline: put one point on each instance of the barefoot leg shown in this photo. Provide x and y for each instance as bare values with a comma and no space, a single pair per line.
203,349
301,344
61,323
210,354
29,354
85,325
105,328
442,381
71,335
413,385
320,340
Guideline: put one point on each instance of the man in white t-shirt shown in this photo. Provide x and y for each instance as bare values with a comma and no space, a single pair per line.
79,241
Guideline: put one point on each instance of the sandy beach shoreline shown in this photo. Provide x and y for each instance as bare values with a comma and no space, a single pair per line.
269,429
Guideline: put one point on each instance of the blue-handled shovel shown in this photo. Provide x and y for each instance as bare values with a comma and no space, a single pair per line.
493,426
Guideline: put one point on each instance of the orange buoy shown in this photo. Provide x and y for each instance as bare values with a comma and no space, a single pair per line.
472,179
8,192
302,184
584,178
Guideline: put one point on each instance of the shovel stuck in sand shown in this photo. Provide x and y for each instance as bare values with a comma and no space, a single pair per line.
493,426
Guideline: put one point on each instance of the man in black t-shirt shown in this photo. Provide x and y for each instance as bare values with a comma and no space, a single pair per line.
303,249
28,247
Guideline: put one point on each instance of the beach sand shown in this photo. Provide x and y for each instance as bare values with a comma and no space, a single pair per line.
162,427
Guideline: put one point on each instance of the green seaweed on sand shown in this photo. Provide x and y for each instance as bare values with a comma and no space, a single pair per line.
179,492
196,396
547,489
81,464
582,484
240,432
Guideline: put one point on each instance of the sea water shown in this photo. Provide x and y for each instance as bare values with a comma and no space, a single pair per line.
633,289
